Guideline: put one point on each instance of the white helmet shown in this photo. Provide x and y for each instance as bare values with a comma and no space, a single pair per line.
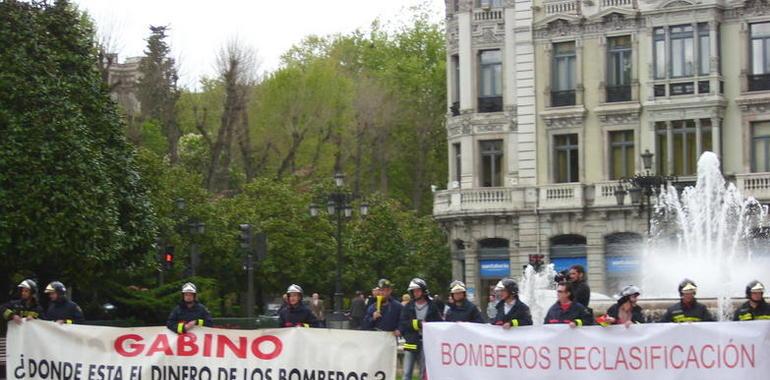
294,288
417,283
189,287
457,286
28,284
630,290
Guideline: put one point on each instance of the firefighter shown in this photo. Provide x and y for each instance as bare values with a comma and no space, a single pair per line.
26,307
419,310
625,311
511,312
459,309
567,310
190,313
61,309
756,307
296,314
385,312
688,309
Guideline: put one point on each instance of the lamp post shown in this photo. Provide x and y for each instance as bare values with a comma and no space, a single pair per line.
338,205
193,228
642,186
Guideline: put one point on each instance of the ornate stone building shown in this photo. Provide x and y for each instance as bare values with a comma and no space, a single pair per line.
551,102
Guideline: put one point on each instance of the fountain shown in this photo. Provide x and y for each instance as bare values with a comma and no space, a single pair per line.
537,290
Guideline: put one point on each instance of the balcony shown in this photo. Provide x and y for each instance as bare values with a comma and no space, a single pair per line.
604,195
490,104
620,93
562,6
562,98
755,185
561,196
617,4
477,200
487,14
759,82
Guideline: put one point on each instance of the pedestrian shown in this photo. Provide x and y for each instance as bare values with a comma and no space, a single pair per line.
567,309
61,309
510,311
419,310
189,313
577,275
460,309
296,314
373,297
439,304
26,307
405,299
317,307
688,309
357,310
625,311
492,307
385,313
755,308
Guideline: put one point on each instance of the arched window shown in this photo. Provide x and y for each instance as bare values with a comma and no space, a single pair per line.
568,250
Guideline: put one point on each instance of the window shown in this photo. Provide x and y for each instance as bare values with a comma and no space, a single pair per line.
563,81
704,49
682,152
491,163
760,147
456,85
489,3
491,83
685,59
659,47
621,154
458,162
619,69
566,154
682,51
760,57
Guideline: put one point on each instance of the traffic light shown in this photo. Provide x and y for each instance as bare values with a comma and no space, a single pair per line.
245,237
168,257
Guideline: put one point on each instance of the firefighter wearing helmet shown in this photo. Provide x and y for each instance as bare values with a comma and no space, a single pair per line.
688,309
459,308
625,311
511,312
61,309
189,313
26,306
295,313
756,308
419,310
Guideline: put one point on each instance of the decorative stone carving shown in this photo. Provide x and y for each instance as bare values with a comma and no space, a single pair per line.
624,118
465,5
488,36
484,128
754,105
564,120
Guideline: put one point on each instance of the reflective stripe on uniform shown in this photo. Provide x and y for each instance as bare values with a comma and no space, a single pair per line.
200,322
745,317
180,328
305,325
68,321
579,322
763,317
682,318
515,322
416,324
8,313
408,346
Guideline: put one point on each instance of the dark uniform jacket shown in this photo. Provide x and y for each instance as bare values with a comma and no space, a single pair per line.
297,316
64,310
681,312
519,315
183,314
23,309
411,327
747,313
466,312
614,310
391,314
576,312
581,292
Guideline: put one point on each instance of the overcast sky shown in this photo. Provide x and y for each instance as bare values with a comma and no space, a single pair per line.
199,28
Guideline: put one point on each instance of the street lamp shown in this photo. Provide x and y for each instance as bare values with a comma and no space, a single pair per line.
642,184
339,206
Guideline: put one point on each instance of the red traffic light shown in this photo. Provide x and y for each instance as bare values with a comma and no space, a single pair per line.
169,258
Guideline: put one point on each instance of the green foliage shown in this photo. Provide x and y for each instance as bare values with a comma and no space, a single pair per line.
72,204
152,306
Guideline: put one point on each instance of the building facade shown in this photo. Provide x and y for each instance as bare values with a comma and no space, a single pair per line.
552,102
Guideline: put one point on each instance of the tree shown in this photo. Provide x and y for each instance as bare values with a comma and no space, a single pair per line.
72,204
157,87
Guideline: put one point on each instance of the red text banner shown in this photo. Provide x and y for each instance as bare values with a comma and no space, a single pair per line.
45,350
723,350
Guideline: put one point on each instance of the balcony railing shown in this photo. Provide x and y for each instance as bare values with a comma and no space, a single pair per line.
617,3
568,195
491,104
562,98
455,109
620,93
562,6
759,82
756,185
487,15
470,200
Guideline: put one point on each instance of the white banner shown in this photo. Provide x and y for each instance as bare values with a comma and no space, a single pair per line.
45,350
719,350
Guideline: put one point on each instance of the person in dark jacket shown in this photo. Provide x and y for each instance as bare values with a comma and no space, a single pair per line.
459,309
625,311
582,292
567,310
190,313
755,308
60,309
296,314
511,312
384,314
688,309
357,310
418,311
26,307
